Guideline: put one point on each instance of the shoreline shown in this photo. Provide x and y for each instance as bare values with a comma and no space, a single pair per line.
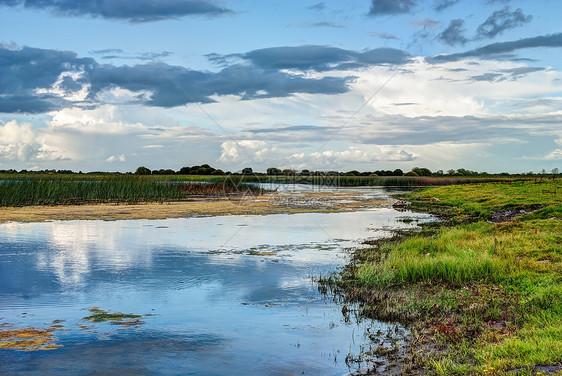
313,202
478,290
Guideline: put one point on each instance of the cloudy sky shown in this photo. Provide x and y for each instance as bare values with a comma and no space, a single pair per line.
326,85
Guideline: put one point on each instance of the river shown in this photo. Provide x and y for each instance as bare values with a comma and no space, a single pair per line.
228,295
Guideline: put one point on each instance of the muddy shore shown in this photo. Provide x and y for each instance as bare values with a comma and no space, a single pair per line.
310,202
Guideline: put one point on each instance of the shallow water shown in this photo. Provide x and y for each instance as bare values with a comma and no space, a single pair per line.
222,295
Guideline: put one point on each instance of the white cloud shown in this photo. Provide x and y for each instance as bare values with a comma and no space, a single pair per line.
556,154
237,151
115,158
17,141
74,90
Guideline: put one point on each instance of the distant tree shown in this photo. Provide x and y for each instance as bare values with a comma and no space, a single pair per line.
411,173
185,170
352,173
555,171
288,172
305,172
274,171
397,172
142,171
247,171
422,171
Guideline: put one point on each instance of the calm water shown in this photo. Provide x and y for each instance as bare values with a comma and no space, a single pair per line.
230,295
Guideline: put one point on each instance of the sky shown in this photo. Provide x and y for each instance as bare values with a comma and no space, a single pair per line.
111,85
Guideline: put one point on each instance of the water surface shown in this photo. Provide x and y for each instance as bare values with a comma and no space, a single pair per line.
221,295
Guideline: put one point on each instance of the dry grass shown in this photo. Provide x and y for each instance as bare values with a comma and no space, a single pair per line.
253,205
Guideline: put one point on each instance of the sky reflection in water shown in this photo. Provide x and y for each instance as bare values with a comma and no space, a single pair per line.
226,295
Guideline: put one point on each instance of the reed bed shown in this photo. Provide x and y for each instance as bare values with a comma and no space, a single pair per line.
45,190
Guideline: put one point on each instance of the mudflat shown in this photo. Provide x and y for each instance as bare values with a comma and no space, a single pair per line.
247,205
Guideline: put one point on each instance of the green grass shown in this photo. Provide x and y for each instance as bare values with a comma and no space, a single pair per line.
17,190
487,295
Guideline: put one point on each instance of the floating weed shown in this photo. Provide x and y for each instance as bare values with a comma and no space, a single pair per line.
114,318
27,339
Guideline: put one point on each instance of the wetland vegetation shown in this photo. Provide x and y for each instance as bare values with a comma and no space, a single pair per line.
481,291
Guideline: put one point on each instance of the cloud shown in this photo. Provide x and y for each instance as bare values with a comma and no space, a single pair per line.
323,24
390,7
243,150
551,40
322,58
318,6
454,33
556,154
115,158
440,5
60,74
17,141
502,20
133,11
117,53
426,23
36,80
387,36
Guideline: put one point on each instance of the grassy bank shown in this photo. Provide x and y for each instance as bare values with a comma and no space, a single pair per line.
481,291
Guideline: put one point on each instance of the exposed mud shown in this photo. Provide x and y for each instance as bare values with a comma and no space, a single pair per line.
310,202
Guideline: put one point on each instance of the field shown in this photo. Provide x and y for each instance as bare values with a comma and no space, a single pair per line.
482,290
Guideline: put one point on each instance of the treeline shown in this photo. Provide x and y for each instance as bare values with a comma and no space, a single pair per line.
206,169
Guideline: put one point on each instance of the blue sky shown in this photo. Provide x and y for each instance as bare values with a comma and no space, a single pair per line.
324,85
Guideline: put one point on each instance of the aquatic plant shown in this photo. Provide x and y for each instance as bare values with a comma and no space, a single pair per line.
27,339
77,189
118,318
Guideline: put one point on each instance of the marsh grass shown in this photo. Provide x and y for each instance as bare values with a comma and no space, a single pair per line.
482,297
82,189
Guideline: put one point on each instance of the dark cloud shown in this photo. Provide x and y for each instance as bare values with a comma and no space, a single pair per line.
24,71
387,36
323,24
133,11
322,58
37,80
505,74
490,77
426,23
390,7
494,49
117,53
500,21
107,51
454,34
319,6
440,5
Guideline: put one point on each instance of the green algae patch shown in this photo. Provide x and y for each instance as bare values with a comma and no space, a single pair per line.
27,339
114,318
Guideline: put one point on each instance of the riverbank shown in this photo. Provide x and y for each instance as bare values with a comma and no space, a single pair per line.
309,202
481,291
